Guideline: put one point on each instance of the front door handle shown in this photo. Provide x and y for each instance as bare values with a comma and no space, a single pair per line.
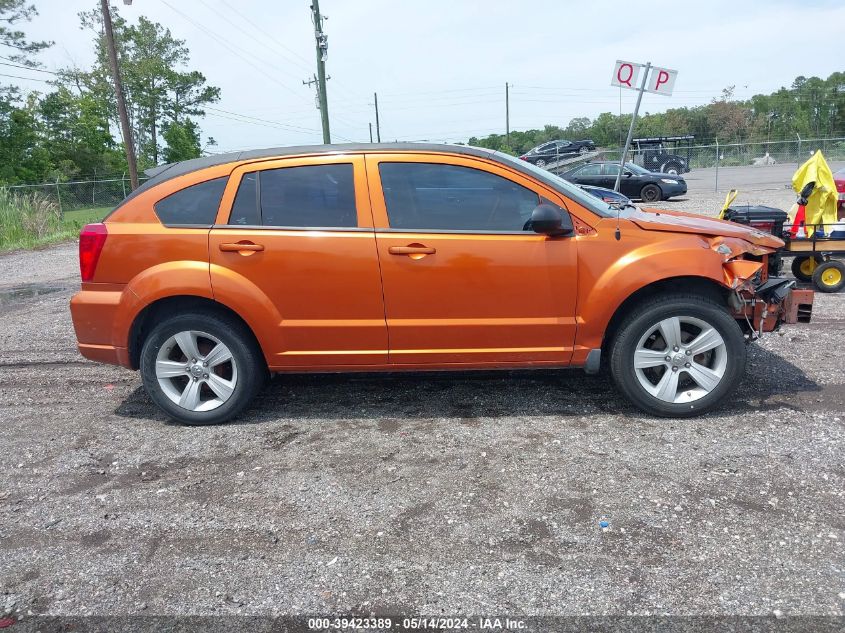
241,246
412,250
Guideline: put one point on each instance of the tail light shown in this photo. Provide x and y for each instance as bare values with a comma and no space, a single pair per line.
840,186
92,238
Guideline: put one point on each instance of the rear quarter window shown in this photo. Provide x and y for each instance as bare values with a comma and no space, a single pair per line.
194,205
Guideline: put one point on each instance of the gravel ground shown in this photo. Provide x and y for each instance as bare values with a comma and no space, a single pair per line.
471,493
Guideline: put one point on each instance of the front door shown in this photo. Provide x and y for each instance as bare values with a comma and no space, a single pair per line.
295,247
464,282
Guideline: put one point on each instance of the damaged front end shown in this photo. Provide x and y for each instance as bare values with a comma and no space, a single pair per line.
760,297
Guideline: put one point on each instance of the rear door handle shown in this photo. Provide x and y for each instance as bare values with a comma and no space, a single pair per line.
241,246
412,250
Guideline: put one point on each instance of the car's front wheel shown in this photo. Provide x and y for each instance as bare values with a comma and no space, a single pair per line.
540,162
678,356
201,368
651,193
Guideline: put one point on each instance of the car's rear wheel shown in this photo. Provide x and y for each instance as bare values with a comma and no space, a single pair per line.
678,356
651,193
201,368
671,168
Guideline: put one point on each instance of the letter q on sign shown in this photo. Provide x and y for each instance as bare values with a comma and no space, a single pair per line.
626,75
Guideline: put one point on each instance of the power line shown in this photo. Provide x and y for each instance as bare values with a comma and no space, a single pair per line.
27,78
232,49
38,70
284,126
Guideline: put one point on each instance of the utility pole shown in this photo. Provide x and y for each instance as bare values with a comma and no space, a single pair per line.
507,117
378,127
371,132
118,91
322,52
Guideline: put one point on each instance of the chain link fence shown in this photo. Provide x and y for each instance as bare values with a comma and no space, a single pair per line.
740,154
96,193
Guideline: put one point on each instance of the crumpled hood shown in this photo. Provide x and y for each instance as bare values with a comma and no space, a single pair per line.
678,222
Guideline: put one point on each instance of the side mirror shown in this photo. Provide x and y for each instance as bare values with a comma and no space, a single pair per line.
627,174
550,220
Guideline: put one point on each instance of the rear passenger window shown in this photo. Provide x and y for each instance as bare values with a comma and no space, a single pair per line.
196,204
318,196
245,207
451,197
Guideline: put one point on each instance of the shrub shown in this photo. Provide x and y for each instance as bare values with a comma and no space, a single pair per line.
28,220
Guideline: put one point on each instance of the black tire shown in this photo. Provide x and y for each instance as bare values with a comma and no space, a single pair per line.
672,168
829,276
804,275
540,162
651,193
643,319
251,369
584,150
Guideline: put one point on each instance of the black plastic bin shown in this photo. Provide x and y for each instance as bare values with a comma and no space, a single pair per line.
766,219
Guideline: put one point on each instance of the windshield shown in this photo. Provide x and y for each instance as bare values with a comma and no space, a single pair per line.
597,206
636,168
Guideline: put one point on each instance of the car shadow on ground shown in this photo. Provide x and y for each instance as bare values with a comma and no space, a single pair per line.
771,383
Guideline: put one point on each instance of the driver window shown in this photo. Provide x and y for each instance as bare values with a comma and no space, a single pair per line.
611,169
427,196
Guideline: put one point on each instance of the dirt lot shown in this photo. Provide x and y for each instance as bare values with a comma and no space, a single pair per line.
473,493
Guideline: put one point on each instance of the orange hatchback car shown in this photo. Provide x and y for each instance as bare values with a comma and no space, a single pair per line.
220,270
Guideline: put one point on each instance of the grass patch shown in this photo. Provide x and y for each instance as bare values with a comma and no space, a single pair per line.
31,220
80,217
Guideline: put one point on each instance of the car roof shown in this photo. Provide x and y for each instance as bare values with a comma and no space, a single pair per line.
163,173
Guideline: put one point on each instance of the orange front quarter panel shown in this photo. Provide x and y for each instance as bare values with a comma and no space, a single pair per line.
612,270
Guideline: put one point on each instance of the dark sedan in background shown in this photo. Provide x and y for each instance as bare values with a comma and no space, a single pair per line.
553,151
637,183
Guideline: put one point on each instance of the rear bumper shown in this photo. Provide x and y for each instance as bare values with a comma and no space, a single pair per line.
94,314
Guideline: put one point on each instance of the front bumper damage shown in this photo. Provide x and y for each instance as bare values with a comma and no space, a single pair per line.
765,305
764,301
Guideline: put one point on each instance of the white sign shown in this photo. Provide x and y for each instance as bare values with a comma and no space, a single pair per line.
661,81
626,75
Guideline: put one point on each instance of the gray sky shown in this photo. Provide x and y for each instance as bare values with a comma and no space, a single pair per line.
440,66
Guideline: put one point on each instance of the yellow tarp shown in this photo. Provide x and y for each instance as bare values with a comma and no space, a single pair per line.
821,205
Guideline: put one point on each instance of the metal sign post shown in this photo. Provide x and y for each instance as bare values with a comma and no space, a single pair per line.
633,122
661,81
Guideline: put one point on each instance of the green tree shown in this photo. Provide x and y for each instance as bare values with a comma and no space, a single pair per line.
19,49
183,141
75,132
22,158
159,90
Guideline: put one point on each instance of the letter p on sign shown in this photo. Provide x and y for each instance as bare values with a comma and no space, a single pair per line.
661,81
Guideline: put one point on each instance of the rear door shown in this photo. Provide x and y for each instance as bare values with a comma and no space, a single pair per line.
294,248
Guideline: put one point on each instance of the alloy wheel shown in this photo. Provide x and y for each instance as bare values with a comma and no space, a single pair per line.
196,370
680,359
